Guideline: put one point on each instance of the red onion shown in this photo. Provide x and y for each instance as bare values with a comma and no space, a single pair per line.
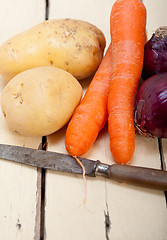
155,54
151,106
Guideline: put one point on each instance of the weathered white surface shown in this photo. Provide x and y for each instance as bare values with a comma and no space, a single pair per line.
135,213
20,197
17,16
156,15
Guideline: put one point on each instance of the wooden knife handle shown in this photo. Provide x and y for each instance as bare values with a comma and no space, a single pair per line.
145,177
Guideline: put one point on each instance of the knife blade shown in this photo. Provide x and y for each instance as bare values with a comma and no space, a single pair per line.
141,176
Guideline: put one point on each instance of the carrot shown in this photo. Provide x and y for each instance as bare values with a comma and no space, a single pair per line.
91,115
127,28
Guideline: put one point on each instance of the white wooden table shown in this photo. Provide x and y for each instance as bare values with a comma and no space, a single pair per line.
113,211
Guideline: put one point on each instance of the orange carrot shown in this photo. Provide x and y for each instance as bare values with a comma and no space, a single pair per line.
127,27
91,115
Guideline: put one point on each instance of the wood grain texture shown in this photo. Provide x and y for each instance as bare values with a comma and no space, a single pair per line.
113,210
20,185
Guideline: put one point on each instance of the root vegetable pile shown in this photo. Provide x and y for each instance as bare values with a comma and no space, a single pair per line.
77,47
113,89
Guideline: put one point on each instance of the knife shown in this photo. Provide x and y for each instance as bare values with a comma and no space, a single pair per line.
140,176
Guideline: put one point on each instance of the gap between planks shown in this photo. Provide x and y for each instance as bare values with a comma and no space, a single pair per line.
40,207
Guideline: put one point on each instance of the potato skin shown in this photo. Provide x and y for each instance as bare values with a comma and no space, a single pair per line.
73,45
39,101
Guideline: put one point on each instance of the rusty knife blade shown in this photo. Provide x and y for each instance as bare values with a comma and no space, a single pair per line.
46,159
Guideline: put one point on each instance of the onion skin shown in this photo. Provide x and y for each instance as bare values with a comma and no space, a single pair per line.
151,107
155,54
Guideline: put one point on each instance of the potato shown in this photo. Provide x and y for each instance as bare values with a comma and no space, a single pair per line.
73,45
40,101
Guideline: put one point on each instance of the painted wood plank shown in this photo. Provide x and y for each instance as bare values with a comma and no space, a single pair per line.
124,202
156,15
18,16
20,185
134,212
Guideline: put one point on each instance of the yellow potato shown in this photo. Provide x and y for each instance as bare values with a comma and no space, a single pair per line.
39,101
73,45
